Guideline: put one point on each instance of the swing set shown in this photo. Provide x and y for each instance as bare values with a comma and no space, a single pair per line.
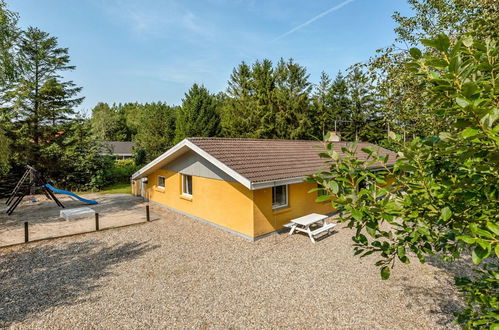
27,185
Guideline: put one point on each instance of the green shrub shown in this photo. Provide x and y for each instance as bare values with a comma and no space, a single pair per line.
120,171
444,197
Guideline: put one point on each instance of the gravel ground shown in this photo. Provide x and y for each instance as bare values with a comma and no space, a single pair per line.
46,211
179,273
44,216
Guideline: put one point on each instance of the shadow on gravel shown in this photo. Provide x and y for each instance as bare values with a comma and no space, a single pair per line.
458,268
37,278
443,298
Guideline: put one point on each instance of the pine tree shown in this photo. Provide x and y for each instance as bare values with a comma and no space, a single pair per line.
198,115
330,101
57,100
364,122
340,103
238,107
9,34
41,101
4,152
293,118
269,102
264,107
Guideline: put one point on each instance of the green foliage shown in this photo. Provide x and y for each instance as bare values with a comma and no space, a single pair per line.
441,197
363,120
433,17
109,123
237,113
140,157
41,103
198,115
74,161
330,104
153,125
4,152
480,296
403,99
121,171
279,102
293,117
9,34
264,101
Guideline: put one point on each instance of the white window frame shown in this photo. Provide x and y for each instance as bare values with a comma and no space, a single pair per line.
184,176
276,207
164,181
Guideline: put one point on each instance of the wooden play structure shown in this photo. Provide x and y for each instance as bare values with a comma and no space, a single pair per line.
31,181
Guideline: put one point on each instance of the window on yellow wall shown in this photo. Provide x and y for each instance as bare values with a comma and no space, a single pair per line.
161,182
321,191
279,196
187,185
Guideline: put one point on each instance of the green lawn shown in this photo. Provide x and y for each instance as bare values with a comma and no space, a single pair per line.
119,188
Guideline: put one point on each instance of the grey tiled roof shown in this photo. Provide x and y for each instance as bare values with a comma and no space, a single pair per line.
117,147
261,160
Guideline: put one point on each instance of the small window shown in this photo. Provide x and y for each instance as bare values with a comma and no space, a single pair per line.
364,184
321,191
187,185
279,196
161,182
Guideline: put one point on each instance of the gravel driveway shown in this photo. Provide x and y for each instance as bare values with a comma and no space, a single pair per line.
177,272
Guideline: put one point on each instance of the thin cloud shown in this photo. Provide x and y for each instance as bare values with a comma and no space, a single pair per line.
161,19
324,13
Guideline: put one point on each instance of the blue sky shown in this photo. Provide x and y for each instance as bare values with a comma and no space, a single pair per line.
154,50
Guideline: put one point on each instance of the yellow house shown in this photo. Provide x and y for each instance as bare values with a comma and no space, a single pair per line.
250,187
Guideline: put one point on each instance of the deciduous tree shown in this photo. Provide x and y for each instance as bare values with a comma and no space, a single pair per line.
154,127
442,196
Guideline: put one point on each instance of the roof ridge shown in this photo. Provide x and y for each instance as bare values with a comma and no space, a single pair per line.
251,160
260,139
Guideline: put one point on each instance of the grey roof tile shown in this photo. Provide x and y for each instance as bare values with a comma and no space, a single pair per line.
261,160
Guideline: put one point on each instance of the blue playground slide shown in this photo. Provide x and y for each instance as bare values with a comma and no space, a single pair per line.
65,192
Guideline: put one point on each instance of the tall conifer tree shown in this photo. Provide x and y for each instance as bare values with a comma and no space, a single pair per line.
198,115
41,100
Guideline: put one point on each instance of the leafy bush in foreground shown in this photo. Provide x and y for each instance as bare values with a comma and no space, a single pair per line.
442,195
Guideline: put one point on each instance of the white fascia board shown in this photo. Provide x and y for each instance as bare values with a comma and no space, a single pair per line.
238,177
144,170
268,184
188,144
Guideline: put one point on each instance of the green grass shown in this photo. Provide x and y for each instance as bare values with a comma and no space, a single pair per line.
119,188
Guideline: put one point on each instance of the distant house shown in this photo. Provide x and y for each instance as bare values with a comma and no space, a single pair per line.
250,187
118,149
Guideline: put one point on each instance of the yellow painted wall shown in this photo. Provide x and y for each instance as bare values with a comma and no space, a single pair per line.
300,203
228,204
231,205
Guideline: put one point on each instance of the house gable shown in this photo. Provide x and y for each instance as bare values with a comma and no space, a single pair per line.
190,163
178,150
